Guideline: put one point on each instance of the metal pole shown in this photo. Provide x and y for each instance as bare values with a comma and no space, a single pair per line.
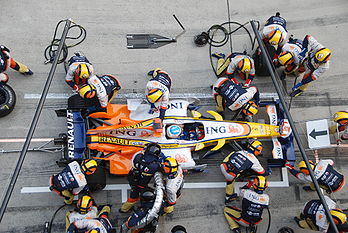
33,123
275,78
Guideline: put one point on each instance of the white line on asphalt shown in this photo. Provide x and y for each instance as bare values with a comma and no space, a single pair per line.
141,95
204,185
23,139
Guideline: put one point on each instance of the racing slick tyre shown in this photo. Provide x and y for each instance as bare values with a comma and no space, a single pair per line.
7,99
97,181
261,68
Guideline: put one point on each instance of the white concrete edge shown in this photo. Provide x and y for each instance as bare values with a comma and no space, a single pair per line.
24,139
206,185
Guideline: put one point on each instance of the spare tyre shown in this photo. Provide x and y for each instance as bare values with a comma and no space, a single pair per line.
97,180
7,99
261,68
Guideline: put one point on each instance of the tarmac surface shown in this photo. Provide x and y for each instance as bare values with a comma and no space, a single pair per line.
27,28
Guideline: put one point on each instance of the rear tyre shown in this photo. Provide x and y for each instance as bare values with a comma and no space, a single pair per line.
260,62
97,181
7,99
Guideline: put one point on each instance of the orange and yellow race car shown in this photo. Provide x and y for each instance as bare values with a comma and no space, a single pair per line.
115,135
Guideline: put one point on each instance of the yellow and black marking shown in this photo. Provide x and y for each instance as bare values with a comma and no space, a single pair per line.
138,125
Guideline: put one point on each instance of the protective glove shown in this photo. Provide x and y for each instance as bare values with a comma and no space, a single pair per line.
297,86
288,165
246,85
76,88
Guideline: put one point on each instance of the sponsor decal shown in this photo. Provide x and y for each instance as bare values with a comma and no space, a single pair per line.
177,105
70,124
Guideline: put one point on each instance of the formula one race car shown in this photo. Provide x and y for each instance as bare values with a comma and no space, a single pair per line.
115,135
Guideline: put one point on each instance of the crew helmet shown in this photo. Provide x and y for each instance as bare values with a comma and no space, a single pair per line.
260,183
174,131
275,37
303,167
338,216
83,71
255,147
147,196
170,167
341,117
153,148
322,55
87,91
154,95
286,58
89,166
250,108
245,65
84,204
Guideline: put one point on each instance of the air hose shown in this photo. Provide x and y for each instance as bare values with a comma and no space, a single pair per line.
51,50
269,219
48,226
208,37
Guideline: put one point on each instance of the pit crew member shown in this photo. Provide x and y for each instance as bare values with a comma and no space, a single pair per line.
314,64
105,87
7,61
157,91
101,224
237,162
253,202
327,177
313,216
228,94
341,118
173,182
71,180
144,165
235,64
80,69
274,31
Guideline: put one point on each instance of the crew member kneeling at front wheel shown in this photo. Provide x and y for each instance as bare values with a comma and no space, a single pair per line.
71,181
233,96
253,203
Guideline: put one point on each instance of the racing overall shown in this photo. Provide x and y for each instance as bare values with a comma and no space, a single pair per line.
163,82
228,94
69,182
327,177
272,24
144,166
294,46
229,66
253,204
100,224
145,218
71,78
106,86
234,164
313,215
6,61
73,216
173,190
312,70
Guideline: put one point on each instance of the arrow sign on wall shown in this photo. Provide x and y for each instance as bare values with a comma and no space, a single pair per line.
318,134
314,134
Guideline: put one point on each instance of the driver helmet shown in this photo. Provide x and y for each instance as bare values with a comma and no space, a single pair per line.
174,131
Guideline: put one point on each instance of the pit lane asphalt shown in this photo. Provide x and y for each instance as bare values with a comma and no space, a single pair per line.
27,29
